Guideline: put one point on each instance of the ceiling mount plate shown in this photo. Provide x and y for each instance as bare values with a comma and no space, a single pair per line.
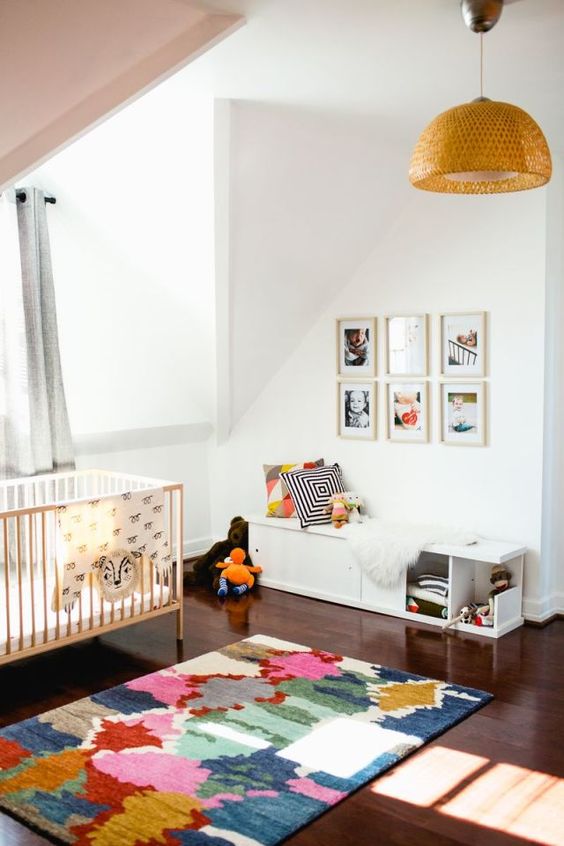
481,15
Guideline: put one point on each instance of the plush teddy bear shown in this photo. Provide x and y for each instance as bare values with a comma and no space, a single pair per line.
204,571
236,574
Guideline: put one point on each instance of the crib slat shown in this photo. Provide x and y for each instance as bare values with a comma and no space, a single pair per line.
7,579
31,576
132,606
19,566
152,577
179,496
91,601
44,568
170,500
58,597
142,604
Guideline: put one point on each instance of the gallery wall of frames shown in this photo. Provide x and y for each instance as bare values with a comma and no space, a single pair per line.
397,374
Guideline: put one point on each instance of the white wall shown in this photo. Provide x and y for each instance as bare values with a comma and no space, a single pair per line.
132,238
186,462
443,253
553,493
309,194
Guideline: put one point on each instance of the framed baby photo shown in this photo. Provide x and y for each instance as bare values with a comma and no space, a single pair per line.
406,345
463,413
356,410
407,411
463,344
356,347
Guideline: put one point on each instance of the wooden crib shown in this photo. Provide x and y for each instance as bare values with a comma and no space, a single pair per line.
29,573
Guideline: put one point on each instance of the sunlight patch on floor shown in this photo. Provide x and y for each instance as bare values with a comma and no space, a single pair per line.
425,779
521,802
516,800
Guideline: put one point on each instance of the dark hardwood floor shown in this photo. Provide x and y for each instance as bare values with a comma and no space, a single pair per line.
499,771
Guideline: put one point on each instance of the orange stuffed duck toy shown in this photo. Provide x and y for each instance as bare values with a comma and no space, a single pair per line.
235,573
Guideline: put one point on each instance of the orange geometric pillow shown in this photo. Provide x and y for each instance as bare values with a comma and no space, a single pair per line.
278,500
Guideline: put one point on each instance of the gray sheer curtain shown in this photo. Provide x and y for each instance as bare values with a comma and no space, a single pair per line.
35,434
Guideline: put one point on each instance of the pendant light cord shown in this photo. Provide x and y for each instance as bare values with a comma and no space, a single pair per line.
481,65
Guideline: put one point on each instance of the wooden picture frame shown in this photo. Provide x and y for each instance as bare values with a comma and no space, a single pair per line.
463,344
356,347
463,413
407,345
356,410
408,412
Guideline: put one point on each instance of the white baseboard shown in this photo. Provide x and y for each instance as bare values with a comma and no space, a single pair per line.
540,610
197,546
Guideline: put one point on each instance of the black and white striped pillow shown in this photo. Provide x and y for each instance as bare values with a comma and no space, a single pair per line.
433,583
310,491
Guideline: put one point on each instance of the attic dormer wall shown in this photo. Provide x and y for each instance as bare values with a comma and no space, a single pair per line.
310,194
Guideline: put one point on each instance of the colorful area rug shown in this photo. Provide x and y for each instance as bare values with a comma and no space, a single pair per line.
240,746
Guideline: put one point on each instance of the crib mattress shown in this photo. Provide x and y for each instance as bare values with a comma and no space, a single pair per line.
46,629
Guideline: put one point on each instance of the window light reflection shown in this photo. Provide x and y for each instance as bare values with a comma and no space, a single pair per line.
429,776
516,800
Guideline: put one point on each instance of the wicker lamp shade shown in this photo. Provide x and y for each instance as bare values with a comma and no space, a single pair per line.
483,147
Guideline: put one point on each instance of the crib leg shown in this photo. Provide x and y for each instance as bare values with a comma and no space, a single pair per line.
179,624
179,562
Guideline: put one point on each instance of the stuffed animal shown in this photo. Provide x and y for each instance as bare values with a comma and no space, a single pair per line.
354,504
337,505
236,574
500,578
204,571
468,614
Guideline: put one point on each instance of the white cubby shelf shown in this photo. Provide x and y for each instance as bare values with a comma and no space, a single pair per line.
319,563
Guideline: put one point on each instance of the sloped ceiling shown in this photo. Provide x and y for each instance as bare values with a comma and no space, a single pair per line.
402,61
69,63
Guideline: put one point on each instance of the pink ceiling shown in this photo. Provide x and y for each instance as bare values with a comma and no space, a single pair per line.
64,64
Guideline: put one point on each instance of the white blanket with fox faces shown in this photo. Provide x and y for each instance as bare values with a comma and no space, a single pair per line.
94,528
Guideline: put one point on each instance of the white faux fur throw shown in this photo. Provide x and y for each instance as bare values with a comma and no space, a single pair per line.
385,549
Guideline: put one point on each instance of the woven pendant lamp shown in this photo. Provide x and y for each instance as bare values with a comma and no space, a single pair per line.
482,147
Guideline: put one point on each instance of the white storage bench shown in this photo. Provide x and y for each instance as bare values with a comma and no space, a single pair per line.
318,562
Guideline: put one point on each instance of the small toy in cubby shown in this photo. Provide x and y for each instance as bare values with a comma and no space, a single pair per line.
468,614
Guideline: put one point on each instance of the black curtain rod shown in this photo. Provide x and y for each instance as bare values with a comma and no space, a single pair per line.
21,195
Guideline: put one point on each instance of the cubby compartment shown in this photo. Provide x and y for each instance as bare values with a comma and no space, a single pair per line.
470,581
423,582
